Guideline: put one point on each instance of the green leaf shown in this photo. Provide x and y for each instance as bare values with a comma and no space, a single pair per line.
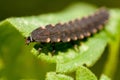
16,62
55,76
90,52
83,73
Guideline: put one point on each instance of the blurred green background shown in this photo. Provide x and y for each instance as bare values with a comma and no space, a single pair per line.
10,8
17,8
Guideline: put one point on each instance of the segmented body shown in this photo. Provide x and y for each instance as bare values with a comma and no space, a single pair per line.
72,30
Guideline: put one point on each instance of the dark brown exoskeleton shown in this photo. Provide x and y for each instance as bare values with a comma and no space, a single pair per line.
72,30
